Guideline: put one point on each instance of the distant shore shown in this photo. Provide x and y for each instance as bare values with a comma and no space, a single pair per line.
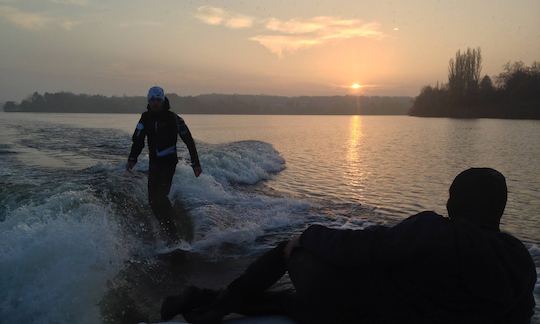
65,102
432,102
494,111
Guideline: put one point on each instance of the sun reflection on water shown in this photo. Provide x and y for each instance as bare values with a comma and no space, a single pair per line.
354,172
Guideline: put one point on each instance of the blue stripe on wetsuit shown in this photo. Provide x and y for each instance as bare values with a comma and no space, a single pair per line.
167,151
140,127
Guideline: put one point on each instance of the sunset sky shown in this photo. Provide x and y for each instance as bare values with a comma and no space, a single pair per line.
252,47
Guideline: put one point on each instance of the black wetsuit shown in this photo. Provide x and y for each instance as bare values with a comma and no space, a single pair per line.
162,130
426,269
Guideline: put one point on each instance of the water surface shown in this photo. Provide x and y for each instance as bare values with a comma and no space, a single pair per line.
72,216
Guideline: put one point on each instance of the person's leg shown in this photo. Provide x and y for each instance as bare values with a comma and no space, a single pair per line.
159,184
241,294
312,278
331,291
283,303
261,274
191,298
267,303
317,288
314,282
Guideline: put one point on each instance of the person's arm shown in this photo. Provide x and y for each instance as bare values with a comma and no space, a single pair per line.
342,247
185,135
138,143
523,310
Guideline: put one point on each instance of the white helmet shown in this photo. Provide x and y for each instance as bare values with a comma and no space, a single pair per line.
156,93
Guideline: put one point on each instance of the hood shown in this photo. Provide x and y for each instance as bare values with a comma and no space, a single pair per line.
166,105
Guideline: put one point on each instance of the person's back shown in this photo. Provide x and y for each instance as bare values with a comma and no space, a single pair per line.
434,269
440,269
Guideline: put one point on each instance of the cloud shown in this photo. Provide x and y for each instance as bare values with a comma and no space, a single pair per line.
71,2
23,19
144,23
239,22
68,24
219,16
288,36
299,33
34,20
299,26
281,44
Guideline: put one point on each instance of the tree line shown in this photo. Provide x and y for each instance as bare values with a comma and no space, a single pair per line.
514,94
67,102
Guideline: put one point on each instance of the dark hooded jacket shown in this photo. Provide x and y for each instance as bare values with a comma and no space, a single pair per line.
427,269
162,130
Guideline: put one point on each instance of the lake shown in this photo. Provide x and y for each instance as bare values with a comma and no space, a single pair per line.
72,216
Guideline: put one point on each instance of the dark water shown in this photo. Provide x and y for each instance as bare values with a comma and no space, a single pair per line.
74,222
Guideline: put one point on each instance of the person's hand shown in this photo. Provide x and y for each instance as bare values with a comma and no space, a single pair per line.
130,165
197,170
293,244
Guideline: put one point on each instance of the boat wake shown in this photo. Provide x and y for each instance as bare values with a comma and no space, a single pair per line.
69,235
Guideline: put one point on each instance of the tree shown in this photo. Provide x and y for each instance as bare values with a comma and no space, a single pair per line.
10,106
516,94
486,85
464,73
487,89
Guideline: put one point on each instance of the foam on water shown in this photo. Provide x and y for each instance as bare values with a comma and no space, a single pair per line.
245,162
64,243
534,250
221,211
56,258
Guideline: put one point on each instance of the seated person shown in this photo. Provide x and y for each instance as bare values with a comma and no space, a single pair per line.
426,269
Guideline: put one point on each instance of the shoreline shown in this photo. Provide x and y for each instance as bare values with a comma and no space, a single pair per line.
269,114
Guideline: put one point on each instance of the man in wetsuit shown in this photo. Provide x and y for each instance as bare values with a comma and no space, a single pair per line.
426,269
162,127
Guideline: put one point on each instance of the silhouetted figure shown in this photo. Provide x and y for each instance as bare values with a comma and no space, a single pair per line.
426,269
162,127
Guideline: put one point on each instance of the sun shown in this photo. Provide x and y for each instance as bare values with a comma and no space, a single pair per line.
356,86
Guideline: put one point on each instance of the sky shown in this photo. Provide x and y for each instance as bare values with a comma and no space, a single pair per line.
302,47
